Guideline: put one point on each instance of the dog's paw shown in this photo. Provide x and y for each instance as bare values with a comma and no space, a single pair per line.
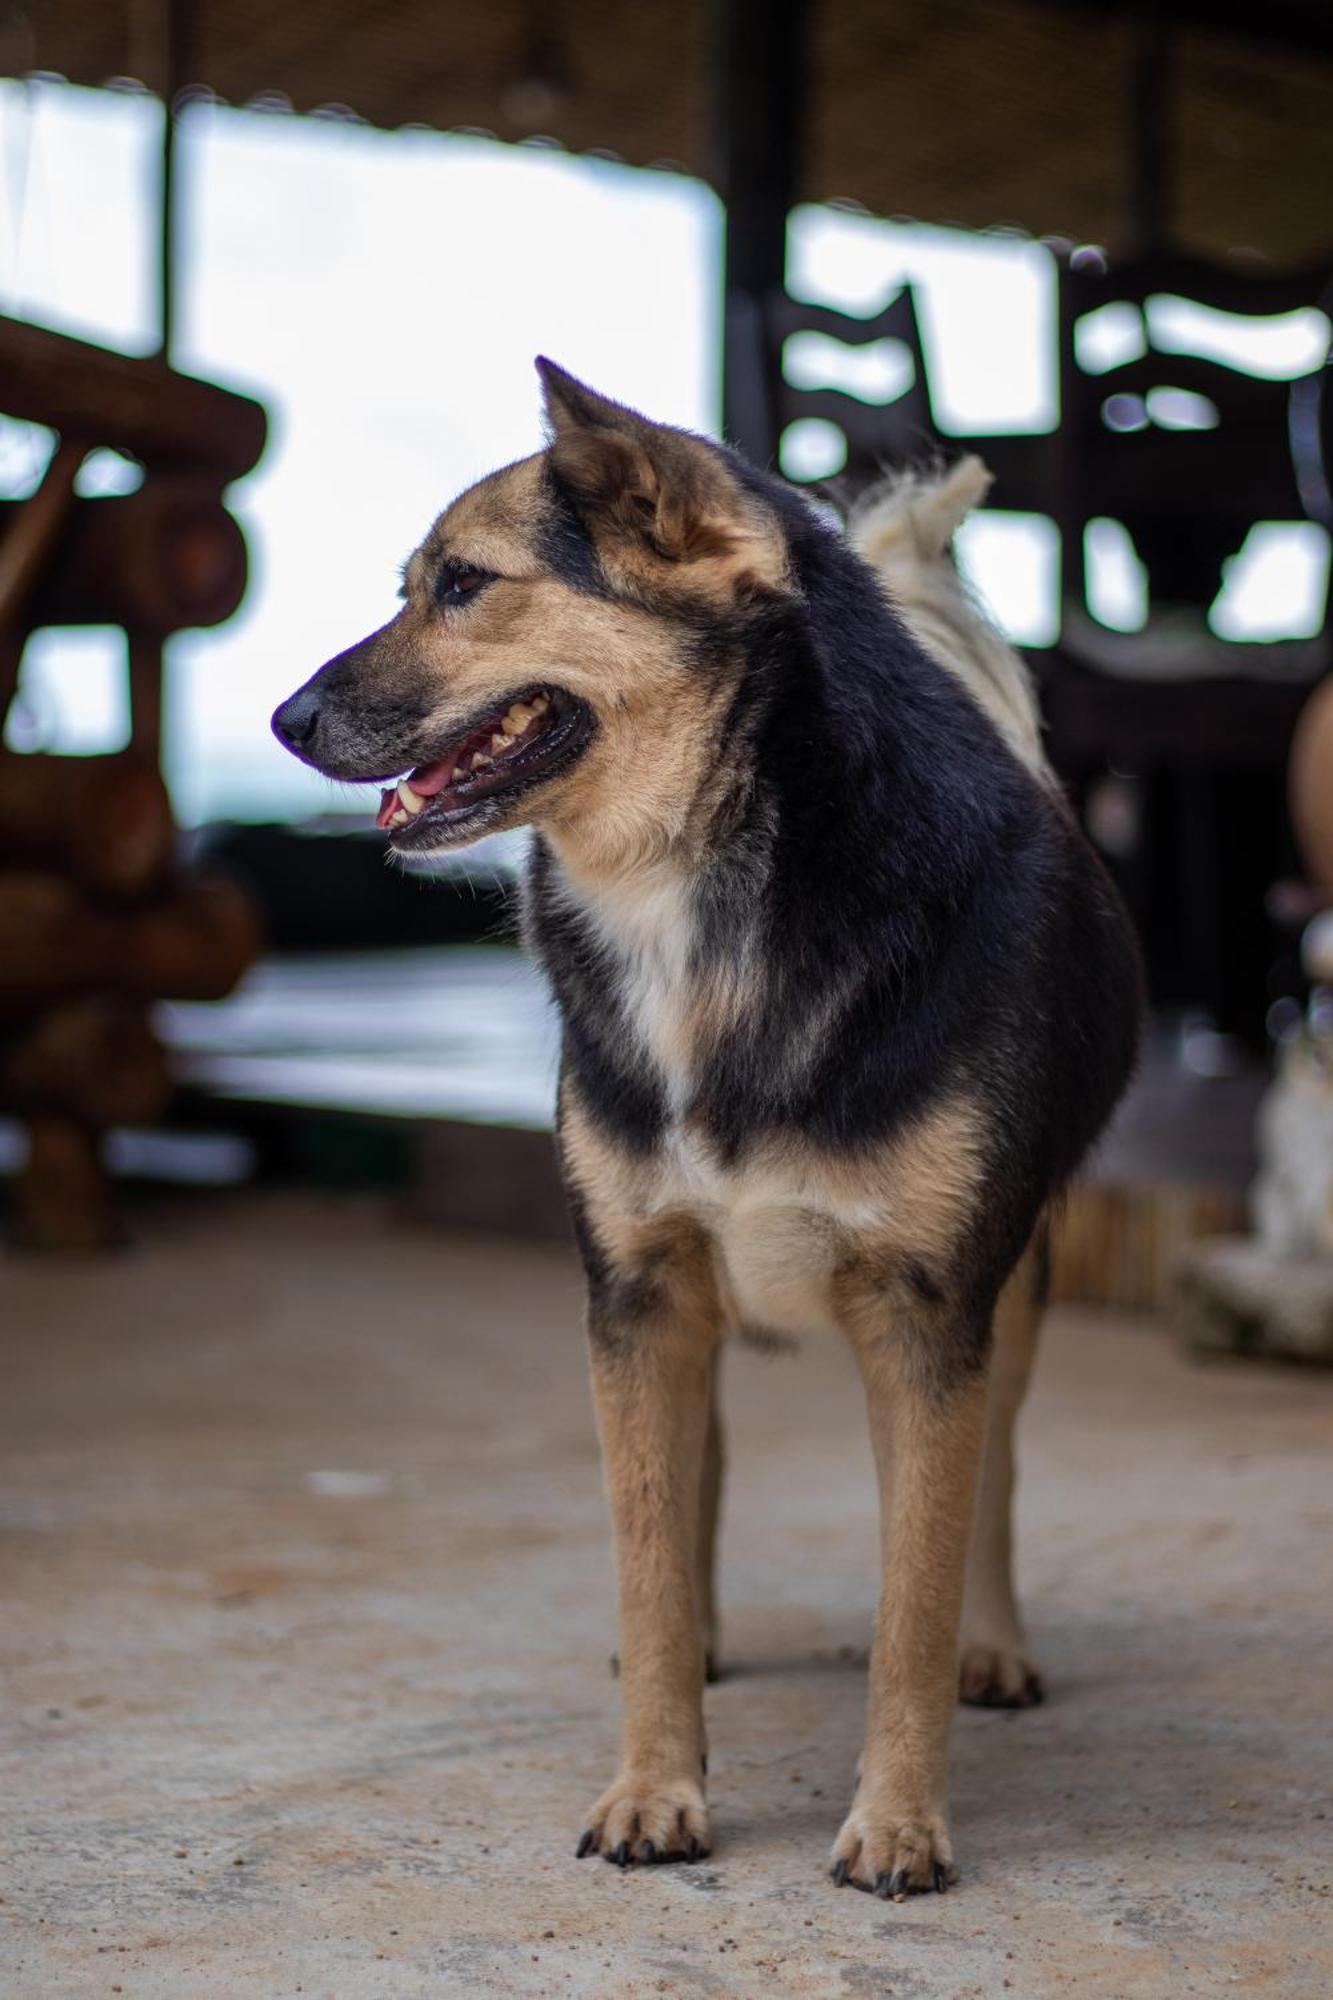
892,1854
641,1819
997,1676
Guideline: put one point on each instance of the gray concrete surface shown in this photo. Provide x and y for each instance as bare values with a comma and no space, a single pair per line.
307,1609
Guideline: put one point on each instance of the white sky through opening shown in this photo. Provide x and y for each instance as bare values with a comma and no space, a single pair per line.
384,296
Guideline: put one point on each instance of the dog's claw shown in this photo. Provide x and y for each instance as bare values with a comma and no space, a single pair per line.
998,1677
882,1887
642,1823
841,1873
587,1842
941,1877
900,1882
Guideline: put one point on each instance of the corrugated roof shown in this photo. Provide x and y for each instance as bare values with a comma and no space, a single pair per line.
980,112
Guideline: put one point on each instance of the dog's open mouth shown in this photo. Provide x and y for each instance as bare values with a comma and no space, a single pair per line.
513,748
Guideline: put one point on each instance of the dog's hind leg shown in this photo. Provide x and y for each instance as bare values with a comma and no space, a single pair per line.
710,1502
995,1669
928,1423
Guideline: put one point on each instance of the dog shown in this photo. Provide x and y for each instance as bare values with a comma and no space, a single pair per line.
846,997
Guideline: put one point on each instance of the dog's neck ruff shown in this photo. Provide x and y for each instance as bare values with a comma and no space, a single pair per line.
645,921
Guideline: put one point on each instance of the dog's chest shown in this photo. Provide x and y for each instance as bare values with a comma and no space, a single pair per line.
667,997
779,1233
773,1231
649,929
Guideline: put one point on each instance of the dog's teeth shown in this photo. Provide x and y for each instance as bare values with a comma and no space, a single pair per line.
518,718
540,703
400,816
501,742
411,801
481,761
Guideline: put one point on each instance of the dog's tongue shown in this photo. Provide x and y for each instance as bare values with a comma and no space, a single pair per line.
426,781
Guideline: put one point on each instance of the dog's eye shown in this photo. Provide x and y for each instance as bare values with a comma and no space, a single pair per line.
460,582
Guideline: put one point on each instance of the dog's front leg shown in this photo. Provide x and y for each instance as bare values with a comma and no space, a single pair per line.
928,1422
651,1370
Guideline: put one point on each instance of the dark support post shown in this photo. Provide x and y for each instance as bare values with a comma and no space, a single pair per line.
758,93
175,47
1149,163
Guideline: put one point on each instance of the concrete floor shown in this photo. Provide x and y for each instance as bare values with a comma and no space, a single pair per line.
308,1611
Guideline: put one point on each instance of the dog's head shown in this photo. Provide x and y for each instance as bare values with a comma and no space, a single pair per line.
568,645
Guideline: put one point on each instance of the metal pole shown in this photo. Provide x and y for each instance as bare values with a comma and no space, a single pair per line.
175,39
758,107
1149,155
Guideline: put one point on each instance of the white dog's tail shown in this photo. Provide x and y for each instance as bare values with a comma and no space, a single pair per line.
903,526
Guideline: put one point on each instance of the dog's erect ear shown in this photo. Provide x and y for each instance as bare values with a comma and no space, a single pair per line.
633,477
640,482
571,405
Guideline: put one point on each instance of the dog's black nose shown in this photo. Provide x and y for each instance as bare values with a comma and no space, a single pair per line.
297,720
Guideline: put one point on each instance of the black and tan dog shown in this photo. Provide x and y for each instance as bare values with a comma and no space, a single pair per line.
845,999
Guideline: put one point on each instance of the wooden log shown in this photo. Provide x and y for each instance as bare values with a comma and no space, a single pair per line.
96,1061
62,1200
51,944
164,559
144,659
196,944
134,405
54,945
104,820
26,545
33,527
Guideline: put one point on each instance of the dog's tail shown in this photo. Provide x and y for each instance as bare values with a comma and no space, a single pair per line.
903,526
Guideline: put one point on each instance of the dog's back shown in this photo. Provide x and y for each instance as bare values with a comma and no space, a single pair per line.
903,526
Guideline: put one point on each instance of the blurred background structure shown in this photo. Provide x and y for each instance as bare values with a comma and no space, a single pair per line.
1089,240
307,1594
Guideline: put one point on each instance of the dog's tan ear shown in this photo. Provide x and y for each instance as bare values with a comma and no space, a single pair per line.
637,482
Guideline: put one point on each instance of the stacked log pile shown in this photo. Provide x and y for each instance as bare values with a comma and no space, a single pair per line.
96,922
97,918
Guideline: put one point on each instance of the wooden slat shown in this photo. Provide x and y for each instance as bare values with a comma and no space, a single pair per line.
134,405
30,535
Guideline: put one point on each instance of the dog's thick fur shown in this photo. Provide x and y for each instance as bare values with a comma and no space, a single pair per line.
846,997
